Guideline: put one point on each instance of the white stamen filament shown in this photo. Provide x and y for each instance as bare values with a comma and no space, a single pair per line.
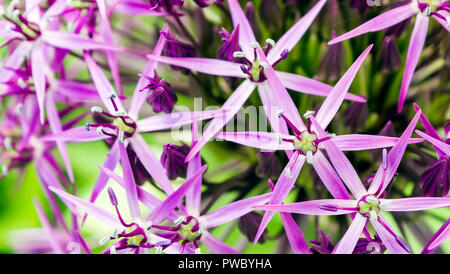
96,109
309,113
384,159
158,249
264,65
309,157
7,142
254,45
288,173
373,215
372,200
384,205
113,250
280,139
148,225
180,220
112,95
15,14
121,113
19,108
121,136
99,130
21,83
238,54
103,240
270,42
198,251
279,112
427,11
4,170
331,135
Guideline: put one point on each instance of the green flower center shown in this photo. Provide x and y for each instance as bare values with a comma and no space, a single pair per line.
134,240
118,122
186,231
305,142
369,205
255,70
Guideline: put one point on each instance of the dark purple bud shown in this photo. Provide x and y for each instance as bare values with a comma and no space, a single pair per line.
447,133
398,29
176,48
360,5
140,173
112,197
160,94
250,14
435,181
249,224
230,44
332,65
172,159
323,246
206,3
389,58
366,246
387,130
270,14
269,166
170,6
356,116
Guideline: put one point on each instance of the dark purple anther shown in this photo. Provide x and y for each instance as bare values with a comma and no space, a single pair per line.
389,58
172,159
112,197
230,44
332,208
160,94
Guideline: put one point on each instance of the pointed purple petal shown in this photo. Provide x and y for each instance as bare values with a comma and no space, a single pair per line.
438,238
257,139
348,242
414,204
291,37
38,67
324,207
388,239
216,245
435,142
355,142
430,130
382,21
71,41
47,228
130,185
415,48
231,106
246,35
294,235
334,100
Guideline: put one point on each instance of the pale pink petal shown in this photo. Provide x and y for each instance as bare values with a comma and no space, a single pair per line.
438,238
416,43
174,199
329,177
282,188
71,41
216,245
307,85
257,139
291,37
394,158
78,134
294,234
435,142
193,195
203,65
430,130
14,61
387,238
355,142
104,87
91,209
315,207
441,21
281,95
234,210
246,35
47,228
414,204
348,242
342,165
133,7
139,96
382,21
231,106
112,158
55,125
175,119
111,55
130,185
334,100
76,91
151,163
38,66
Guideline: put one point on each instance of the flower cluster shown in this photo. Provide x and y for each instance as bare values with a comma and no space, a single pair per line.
96,99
